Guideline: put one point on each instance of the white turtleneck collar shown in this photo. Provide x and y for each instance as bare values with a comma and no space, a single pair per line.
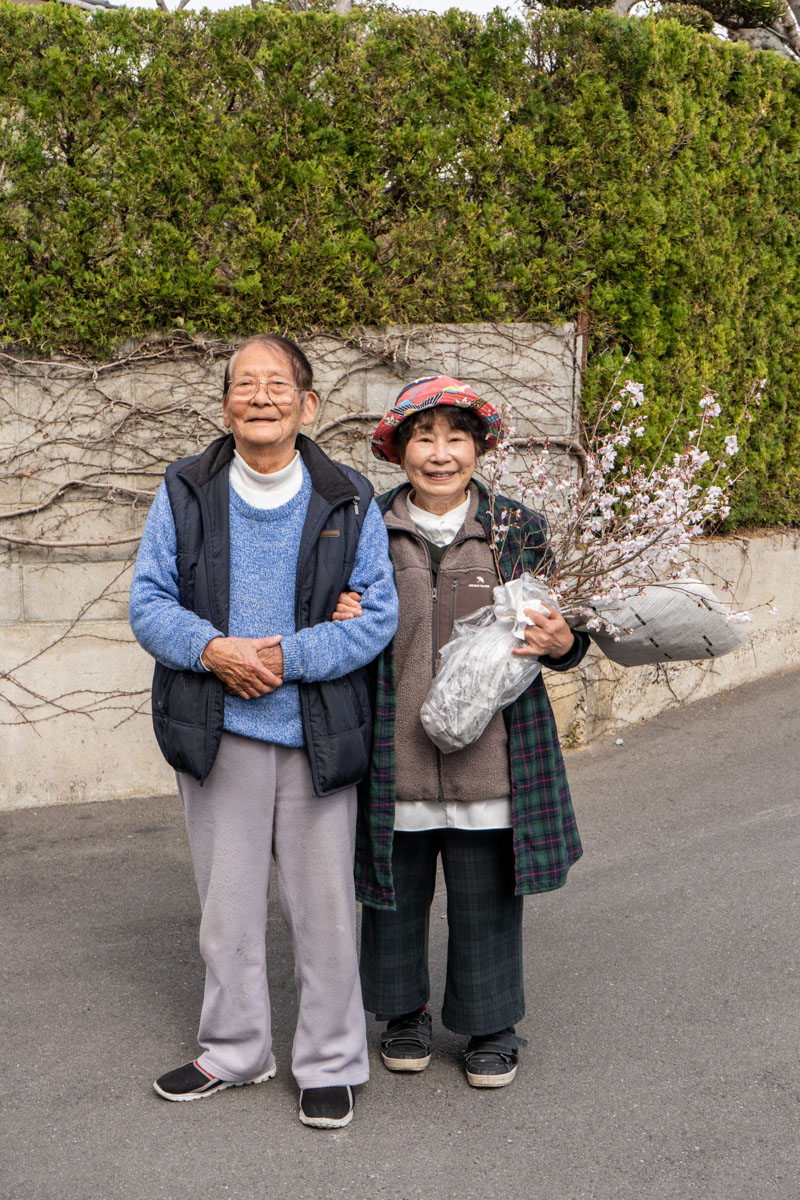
266,491
438,530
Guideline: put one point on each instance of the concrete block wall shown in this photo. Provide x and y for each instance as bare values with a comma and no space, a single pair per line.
83,447
602,699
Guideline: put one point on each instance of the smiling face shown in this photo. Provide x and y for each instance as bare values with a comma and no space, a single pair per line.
264,430
439,462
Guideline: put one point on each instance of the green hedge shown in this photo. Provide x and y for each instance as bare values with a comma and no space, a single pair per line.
261,168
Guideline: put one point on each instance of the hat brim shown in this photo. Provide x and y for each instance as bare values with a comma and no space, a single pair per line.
438,391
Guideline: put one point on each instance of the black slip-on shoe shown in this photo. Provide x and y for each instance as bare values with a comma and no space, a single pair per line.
326,1107
406,1042
191,1082
492,1060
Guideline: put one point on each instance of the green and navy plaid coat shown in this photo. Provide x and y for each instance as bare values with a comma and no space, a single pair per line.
546,841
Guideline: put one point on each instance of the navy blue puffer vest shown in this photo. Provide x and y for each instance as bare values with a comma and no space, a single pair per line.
188,707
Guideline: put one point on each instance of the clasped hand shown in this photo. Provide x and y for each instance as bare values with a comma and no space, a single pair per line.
248,667
253,667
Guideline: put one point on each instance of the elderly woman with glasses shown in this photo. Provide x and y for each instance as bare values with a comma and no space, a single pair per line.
497,812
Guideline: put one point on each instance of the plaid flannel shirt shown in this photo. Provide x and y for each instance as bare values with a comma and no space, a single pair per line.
546,841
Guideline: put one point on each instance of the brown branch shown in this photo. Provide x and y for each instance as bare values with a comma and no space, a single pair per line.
71,484
83,448
346,419
78,545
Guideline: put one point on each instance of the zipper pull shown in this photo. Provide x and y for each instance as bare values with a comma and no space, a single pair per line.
435,593
355,504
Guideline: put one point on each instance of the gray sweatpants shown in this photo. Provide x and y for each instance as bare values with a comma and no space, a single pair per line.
257,804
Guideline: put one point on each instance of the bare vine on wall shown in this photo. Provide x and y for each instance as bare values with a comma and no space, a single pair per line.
84,445
82,450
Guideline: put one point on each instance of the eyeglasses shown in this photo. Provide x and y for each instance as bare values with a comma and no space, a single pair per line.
278,390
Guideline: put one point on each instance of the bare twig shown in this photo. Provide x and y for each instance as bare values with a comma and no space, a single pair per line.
84,445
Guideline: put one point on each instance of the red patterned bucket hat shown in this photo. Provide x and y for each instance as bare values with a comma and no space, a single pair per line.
429,392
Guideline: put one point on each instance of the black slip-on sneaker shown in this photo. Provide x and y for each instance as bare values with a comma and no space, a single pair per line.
492,1060
191,1082
326,1107
406,1042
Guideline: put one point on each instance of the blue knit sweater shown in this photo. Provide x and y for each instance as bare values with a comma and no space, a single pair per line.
264,549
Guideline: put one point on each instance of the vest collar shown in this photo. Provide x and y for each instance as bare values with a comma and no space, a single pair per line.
327,478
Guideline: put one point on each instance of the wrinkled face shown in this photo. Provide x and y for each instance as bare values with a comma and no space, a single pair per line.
264,428
439,463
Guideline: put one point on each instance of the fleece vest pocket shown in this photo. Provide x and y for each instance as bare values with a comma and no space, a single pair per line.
460,593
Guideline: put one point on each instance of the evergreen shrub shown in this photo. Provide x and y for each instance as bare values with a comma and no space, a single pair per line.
745,12
688,14
260,168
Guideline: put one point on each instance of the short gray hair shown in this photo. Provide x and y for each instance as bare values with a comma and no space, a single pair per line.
301,367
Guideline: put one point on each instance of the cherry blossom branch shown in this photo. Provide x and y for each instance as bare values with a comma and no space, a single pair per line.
625,524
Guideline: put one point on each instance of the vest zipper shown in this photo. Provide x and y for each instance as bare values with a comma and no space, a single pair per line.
434,639
305,701
435,612
457,541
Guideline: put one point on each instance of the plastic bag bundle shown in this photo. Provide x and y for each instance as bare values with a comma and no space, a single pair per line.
478,675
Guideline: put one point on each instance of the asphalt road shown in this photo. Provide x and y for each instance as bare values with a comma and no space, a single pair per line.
663,1014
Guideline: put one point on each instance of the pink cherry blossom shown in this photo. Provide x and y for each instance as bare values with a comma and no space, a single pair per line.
622,524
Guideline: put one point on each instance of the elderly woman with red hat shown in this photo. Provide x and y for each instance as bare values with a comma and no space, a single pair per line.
498,812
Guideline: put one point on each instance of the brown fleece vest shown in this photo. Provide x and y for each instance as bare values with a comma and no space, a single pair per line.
467,575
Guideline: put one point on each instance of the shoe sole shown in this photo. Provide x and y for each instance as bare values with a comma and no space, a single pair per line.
405,1064
491,1081
325,1122
221,1086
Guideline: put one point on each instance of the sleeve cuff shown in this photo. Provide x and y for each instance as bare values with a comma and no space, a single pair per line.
293,667
569,660
199,641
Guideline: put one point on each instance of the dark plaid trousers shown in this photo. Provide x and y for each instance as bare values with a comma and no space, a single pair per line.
483,987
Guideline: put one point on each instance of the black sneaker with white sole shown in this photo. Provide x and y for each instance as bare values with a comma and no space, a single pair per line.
191,1082
406,1042
326,1107
492,1060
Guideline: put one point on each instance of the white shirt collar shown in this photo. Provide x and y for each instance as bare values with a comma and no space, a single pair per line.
439,530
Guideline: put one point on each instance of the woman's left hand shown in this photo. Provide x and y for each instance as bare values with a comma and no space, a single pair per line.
347,606
549,634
